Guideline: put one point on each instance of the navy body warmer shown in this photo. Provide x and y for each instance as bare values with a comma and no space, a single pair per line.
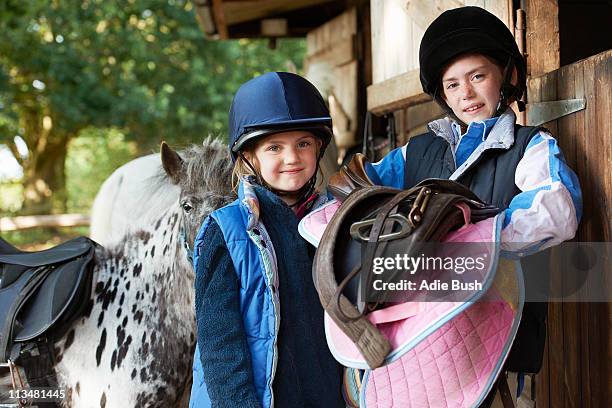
492,179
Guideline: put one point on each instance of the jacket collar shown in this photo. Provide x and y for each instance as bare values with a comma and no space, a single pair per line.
501,135
247,198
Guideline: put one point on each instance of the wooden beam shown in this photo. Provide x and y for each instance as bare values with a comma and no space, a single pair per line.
219,17
396,93
204,16
240,11
34,221
542,36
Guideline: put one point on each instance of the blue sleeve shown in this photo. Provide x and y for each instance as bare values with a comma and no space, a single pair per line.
390,170
222,342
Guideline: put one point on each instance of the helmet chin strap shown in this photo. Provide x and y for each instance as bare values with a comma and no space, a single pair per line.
508,90
302,194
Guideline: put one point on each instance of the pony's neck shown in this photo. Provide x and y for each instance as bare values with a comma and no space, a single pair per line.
154,255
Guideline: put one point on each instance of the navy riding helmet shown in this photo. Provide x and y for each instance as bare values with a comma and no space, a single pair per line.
277,102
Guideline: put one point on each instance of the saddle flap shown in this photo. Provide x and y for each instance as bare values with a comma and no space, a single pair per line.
52,299
47,295
63,252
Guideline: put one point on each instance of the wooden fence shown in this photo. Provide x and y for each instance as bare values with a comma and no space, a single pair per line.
35,221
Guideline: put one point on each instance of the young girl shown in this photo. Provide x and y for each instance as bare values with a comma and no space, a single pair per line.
261,340
471,66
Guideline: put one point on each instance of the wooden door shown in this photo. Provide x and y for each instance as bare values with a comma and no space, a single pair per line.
577,362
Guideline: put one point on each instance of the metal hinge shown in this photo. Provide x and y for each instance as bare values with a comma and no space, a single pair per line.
539,113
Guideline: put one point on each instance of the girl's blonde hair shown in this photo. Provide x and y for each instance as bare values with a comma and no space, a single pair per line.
242,169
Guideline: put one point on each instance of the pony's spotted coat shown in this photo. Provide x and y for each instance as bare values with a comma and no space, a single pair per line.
135,345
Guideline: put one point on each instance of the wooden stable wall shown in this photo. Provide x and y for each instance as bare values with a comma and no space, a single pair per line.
332,65
577,364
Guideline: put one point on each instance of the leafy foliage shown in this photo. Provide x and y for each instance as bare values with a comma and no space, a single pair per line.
92,157
141,67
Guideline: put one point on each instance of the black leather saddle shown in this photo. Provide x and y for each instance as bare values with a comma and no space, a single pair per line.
42,293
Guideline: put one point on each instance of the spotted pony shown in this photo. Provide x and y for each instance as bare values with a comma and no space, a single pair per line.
135,346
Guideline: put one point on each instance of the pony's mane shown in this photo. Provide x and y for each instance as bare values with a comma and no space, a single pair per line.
208,166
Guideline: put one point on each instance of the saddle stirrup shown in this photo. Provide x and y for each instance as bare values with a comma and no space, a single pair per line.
16,380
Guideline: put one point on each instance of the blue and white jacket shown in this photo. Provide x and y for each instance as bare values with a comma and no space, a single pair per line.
548,208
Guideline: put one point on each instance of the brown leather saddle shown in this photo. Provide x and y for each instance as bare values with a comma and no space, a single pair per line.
375,220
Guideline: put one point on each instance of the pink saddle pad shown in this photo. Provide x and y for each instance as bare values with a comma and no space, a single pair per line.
444,354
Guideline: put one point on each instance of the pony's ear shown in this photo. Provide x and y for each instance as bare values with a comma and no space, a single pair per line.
172,162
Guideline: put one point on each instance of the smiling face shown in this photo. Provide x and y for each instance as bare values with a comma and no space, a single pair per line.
471,85
287,160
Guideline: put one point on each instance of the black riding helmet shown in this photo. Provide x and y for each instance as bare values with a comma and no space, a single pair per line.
466,30
277,102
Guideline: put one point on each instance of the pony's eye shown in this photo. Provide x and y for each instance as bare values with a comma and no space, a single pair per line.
186,206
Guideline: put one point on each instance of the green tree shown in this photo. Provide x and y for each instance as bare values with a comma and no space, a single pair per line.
141,66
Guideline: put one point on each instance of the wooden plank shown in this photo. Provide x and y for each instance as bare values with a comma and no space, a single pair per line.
377,35
325,37
588,227
500,9
422,114
542,379
339,53
601,190
549,93
35,221
242,11
400,127
477,3
396,93
416,34
219,16
579,156
554,329
556,356
345,92
519,35
556,349
571,326
534,86
205,19
392,50
603,139
423,12
332,65
542,36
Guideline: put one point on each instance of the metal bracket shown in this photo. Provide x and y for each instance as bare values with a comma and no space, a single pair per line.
539,113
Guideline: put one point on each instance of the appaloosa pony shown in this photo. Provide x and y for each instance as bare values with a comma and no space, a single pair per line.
135,347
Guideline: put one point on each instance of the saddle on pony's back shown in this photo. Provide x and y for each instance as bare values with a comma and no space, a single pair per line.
416,352
41,294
